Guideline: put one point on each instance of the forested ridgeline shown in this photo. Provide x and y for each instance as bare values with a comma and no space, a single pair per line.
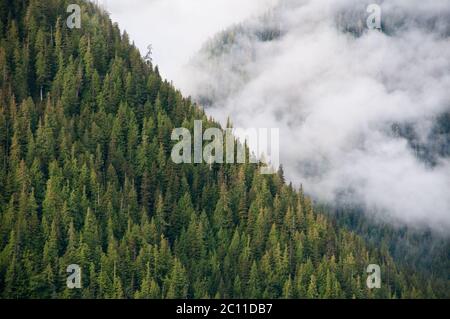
86,178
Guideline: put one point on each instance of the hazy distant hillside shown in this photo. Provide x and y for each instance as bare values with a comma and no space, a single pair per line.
343,95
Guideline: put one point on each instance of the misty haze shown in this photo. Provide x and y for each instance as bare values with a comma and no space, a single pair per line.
361,112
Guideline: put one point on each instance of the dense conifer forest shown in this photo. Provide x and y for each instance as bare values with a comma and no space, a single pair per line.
86,178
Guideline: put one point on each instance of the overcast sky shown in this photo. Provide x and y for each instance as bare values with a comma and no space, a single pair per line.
177,28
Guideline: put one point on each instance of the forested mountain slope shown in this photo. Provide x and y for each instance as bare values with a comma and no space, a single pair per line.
87,179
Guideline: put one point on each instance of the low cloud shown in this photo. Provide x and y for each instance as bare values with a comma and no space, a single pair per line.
336,90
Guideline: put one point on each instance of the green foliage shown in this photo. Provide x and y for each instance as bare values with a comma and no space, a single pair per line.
87,179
